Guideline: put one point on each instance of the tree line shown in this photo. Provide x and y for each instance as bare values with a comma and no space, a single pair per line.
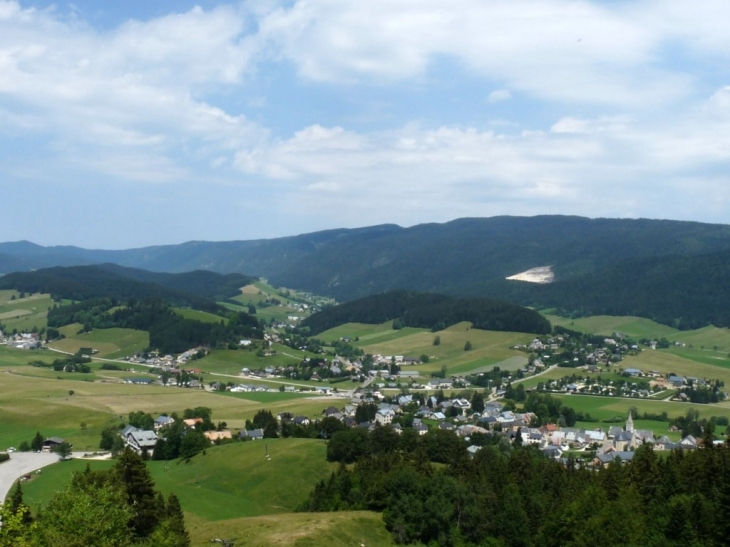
169,331
431,311
430,491
114,508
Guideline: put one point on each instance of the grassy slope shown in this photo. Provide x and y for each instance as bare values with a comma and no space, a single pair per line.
198,315
234,492
111,343
230,362
637,327
32,399
489,348
24,314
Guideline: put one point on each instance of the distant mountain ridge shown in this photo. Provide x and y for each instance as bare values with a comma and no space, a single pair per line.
591,259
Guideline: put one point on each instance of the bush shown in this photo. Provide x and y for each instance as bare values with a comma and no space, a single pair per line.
4,457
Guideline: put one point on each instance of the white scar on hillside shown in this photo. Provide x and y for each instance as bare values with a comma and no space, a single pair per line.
542,274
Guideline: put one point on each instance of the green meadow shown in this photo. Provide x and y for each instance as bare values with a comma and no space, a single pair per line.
711,339
197,315
69,406
489,348
235,492
24,314
634,327
111,343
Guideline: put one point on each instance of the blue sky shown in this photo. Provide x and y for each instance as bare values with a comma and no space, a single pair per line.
125,124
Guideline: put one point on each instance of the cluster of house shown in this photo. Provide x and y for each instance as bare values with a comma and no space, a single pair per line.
611,351
166,362
455,415
23,340
646,384
141,440
145,440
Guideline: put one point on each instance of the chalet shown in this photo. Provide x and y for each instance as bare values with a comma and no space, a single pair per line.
163,421
384,417
332,412
604,459
213,436
51,443
192,422
252,434
677,381
141,440
440,383
421,428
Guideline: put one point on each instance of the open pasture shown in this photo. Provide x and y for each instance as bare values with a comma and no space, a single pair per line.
234,492
24,314
31,403
232,361
667,361
633,327
197,315
363,334
609,407
488,348
710,338
11,357
111,343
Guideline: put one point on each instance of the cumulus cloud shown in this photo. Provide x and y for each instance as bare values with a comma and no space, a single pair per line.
556,49
134,88
610,120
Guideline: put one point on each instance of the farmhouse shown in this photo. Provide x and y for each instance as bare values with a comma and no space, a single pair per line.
213,436
140,440
51,443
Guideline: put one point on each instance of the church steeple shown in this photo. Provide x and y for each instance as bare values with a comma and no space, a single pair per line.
630,423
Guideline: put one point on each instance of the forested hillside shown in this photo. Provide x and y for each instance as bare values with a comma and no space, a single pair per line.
671,271
512,496
683,292
431,311
196,289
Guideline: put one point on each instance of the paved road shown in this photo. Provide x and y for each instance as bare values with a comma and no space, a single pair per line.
21,463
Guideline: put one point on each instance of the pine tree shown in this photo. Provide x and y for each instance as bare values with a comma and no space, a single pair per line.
140,489
177,521
37,442
15,501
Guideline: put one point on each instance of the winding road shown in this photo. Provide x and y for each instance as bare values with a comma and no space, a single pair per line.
19,464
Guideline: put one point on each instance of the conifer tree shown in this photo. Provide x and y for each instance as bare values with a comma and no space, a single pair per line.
176,521
18,507
132,471
37,442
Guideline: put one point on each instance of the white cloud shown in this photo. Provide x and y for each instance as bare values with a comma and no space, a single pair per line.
133,92
499,95
617,121
556,49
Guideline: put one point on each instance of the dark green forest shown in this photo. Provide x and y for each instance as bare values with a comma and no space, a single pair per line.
680,291
431,311
432,492
169,331
198,289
